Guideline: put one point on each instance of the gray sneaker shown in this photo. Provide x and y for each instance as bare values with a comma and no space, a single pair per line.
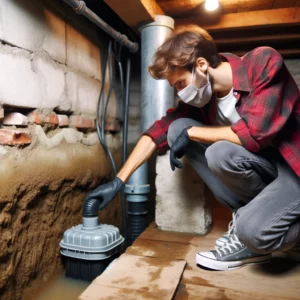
230,256
220,242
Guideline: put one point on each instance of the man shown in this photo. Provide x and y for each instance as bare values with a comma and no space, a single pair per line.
238,125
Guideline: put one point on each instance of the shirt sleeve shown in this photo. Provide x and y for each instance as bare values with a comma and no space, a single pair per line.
159,130
270,101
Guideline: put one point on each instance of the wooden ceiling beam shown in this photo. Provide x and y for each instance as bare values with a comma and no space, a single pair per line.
180,8
135,12
250,19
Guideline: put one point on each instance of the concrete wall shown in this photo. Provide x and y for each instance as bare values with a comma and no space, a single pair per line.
62,67
50,78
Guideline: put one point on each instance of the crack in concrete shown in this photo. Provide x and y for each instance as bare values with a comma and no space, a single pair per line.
13,47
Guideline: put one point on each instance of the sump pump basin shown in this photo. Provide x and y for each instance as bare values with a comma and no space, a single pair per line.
89,248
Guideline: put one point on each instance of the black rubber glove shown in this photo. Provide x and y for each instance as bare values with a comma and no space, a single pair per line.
178,148
106,192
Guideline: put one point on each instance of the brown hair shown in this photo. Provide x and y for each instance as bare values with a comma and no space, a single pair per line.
182,49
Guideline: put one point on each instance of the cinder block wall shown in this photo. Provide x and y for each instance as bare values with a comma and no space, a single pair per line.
50,79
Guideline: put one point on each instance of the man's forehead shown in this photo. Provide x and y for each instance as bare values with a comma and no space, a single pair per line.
176,75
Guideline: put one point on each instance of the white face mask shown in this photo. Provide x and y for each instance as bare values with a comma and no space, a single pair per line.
197,96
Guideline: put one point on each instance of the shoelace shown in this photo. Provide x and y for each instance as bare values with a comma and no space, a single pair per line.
233,242
231,227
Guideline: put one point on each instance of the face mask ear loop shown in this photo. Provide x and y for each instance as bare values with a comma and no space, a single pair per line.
193,76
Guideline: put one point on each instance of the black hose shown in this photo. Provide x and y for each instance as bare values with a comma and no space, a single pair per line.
101,130
90,208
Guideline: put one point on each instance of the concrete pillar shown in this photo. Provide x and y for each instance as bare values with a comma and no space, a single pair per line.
181,204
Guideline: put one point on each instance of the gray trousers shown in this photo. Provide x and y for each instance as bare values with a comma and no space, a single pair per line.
261,188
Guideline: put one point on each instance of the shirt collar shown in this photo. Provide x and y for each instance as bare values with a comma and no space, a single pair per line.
239,73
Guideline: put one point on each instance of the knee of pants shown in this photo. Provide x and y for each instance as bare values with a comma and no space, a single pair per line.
177,126
174,130
252,235
218,154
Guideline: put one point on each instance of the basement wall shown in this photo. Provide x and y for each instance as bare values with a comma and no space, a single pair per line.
50,78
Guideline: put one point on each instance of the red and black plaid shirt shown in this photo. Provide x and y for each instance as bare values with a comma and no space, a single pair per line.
268,103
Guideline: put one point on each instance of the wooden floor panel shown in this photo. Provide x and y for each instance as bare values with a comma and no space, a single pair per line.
276,280
136,278
199,292
279,279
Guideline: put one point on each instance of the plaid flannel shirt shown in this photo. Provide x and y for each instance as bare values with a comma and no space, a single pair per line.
268,103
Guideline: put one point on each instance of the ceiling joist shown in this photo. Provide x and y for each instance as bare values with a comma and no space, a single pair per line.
181,8
239,26
135,12
250,19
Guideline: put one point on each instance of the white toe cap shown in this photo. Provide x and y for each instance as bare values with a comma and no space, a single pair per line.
209,254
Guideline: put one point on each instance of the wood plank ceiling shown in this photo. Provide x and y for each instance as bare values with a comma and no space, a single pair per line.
237,26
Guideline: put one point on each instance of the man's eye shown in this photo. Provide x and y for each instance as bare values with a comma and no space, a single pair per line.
179,84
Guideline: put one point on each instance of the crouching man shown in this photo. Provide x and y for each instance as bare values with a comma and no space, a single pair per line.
238,124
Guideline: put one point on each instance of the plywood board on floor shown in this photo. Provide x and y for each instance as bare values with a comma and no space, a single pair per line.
197,292
172,250
135,277
278,278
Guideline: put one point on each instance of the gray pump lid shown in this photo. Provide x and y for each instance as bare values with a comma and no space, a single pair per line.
92,243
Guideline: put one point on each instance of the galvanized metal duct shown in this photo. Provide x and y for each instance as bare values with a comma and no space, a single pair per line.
157,97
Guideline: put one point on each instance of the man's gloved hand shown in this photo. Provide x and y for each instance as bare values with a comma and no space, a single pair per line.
106,192
178,148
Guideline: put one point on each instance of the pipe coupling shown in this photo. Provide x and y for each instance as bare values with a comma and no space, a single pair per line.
123,40
81,8
137,189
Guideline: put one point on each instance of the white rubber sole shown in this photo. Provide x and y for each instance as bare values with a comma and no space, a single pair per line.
229,265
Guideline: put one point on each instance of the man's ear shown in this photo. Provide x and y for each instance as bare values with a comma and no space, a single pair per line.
202,63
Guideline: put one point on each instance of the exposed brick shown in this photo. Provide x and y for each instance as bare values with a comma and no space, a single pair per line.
113,126
15,119
52,119
36,117
13,137
81,122
63,120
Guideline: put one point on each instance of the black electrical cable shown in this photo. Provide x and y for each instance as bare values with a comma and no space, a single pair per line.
101,130
125,128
